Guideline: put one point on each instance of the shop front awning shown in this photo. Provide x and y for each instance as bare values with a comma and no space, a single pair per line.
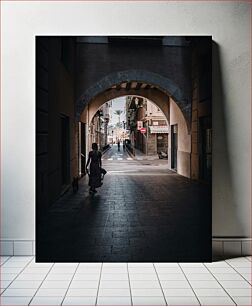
159,129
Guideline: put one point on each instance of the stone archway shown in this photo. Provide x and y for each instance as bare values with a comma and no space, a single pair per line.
162,84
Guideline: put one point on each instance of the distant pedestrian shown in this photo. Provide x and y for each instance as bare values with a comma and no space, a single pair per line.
124,146
118,145
94,158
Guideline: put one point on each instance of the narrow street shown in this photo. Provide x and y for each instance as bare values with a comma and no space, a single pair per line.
122,162
143,212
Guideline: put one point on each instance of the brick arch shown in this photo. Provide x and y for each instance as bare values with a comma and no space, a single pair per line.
165,85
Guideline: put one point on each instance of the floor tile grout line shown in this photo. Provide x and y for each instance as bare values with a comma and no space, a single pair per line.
70,284
239,273
247,258
220,284
9,257
131,298
41,283
98,288
16,276
160,283
230,260
1,273
189,284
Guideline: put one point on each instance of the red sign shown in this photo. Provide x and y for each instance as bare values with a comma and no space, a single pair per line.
143,130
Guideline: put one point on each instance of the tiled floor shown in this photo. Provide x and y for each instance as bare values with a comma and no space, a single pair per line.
24,282
142,207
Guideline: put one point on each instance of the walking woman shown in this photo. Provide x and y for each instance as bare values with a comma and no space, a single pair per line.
94,158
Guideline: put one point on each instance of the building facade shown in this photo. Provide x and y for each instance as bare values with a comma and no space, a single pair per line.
142,113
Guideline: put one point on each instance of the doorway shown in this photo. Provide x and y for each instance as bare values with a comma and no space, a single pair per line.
174,146
162,143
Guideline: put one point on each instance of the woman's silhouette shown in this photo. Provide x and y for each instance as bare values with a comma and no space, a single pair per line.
94,158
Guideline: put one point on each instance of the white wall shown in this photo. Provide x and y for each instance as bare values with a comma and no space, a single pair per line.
227,22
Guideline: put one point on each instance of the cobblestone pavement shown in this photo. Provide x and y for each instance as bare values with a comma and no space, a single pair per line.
142,213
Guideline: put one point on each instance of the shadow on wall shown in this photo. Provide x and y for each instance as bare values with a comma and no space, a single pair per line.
225,215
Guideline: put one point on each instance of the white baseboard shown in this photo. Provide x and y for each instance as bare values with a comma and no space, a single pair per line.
221,247
17,247
225,247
